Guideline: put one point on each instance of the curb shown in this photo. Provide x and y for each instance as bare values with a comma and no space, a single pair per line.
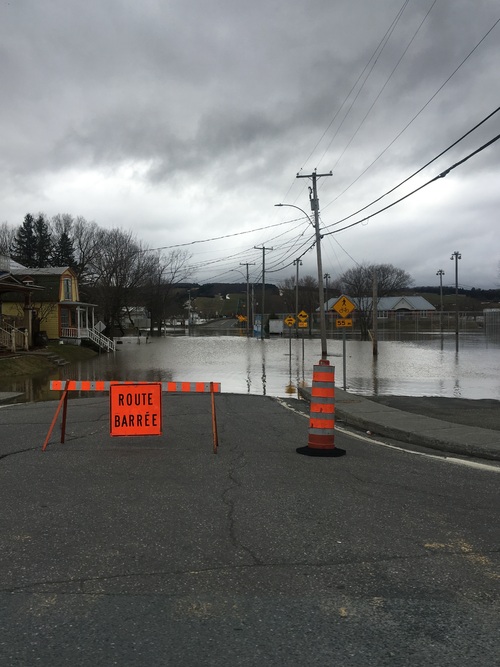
417,430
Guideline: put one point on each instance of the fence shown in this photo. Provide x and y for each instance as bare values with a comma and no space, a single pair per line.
398,325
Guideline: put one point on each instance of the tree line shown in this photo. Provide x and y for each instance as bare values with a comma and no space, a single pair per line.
115,270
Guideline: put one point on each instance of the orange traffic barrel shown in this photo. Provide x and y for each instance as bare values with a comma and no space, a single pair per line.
321,441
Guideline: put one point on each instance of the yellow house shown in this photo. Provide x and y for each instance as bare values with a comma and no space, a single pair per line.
13,337
58,313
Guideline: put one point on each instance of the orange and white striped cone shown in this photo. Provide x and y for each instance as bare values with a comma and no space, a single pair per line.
321,440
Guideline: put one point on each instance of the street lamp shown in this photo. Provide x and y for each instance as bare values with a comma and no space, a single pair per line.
440,273
322,321
456,256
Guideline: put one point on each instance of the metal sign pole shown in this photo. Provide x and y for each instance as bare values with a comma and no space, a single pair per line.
343,360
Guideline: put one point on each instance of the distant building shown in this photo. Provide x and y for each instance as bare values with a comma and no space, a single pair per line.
390,305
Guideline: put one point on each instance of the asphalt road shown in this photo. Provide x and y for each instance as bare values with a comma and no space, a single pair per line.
154,551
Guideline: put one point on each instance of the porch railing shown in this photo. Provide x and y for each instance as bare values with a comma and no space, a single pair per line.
99,339
104,342
13,339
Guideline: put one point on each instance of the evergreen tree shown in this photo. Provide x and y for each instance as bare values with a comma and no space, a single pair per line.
43,238
24,246
64,252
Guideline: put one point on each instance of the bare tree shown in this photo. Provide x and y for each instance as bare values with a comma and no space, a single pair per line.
358,283
167,270
121,266
7,236
288,292
85,236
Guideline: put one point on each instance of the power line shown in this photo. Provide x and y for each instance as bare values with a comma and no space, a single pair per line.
219,238
373,59
360,125
455,143
441,175
416,115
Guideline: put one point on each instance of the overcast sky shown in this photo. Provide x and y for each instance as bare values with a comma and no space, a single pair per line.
187,120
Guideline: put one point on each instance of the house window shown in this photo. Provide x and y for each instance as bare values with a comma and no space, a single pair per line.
67,289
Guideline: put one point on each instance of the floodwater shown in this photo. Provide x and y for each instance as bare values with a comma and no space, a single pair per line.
278,366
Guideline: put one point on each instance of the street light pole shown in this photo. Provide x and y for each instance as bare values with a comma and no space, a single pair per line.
456,256
327,278
313,196
315,207
440,273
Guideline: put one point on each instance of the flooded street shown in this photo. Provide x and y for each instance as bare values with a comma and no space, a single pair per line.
427,367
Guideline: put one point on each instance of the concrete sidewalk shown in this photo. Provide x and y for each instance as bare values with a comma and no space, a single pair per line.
451,425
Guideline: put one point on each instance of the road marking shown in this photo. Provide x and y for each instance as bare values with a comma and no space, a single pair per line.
373,441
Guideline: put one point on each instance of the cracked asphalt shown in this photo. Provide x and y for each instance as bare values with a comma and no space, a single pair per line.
154,551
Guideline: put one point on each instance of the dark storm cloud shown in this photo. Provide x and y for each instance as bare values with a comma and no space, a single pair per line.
220,103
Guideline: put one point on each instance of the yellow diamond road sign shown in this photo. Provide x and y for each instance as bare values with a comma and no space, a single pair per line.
303,316
290,321
343,306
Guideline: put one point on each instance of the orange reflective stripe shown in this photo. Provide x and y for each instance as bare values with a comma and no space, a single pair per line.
323,391
104,385
328,408
323,377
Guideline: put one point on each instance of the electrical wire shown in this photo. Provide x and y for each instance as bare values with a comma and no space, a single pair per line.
421,187
374,57
455,143
416,115
360,125
218,238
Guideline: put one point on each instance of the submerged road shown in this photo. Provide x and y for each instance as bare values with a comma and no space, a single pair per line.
154,551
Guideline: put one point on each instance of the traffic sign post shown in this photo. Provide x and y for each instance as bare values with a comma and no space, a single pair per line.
344,307
290,321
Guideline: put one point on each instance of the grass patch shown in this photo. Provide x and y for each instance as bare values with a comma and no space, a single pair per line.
23,365
71,352
36,362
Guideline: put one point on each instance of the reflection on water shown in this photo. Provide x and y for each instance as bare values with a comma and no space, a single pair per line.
277,367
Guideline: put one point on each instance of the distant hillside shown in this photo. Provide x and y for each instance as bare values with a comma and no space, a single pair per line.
216,289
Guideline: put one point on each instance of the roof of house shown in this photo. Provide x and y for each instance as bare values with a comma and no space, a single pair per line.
404,303
10,284
389,303
45,271
48,280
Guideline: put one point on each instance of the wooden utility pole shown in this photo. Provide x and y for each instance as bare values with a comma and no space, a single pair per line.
375,313
247,264
313,196
297,262
263,286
